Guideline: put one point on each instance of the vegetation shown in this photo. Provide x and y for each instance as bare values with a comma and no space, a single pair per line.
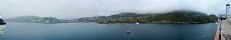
171,17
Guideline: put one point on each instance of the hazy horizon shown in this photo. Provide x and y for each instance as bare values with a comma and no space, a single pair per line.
87,8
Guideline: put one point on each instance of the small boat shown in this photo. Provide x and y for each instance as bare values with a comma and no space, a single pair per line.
128,32
2,25
137,23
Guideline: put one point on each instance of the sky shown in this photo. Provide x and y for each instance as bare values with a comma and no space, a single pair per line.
88,8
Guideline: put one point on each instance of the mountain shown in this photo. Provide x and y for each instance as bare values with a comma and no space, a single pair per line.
23,19
184,16
127,15
36,19
120,16
179,16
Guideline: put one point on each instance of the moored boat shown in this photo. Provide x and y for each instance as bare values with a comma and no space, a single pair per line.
2,25
137,23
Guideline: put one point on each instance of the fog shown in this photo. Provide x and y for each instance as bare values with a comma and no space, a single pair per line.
87,8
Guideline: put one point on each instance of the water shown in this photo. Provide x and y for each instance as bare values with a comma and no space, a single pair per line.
92,31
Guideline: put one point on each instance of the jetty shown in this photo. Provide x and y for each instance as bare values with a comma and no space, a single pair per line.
223,30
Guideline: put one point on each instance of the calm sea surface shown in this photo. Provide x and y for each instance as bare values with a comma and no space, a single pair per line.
92,31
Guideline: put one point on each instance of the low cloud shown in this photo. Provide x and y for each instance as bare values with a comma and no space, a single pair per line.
85,8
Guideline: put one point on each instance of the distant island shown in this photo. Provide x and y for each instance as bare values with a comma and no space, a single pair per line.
179,16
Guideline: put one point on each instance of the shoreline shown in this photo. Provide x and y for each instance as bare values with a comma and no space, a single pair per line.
218,31
120,23
157,23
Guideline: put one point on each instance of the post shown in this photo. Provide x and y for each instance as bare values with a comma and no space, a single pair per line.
227,10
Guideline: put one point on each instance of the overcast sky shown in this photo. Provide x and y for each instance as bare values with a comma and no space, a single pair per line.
86,8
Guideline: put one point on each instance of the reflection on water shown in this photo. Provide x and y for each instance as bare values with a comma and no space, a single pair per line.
131,36
1,35
92,31
2,27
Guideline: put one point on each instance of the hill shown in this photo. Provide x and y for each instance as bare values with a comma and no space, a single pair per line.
179,16
23,19
183,16
36,19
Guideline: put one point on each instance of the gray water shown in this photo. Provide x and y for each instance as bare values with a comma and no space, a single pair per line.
92,31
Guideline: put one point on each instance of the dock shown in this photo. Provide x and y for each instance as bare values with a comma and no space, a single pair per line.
217,34
223,30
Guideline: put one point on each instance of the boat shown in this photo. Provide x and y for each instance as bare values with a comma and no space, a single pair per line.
2,25
128,32
137,23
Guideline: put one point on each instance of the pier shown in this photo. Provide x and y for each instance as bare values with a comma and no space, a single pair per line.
217,34
223,30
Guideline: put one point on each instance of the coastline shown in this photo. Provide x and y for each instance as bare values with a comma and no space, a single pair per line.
163,23
130,23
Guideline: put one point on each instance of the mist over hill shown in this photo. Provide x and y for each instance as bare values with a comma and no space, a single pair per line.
37,19
23,19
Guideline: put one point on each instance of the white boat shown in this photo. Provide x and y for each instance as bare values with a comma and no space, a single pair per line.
128,32
137,23
2,25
